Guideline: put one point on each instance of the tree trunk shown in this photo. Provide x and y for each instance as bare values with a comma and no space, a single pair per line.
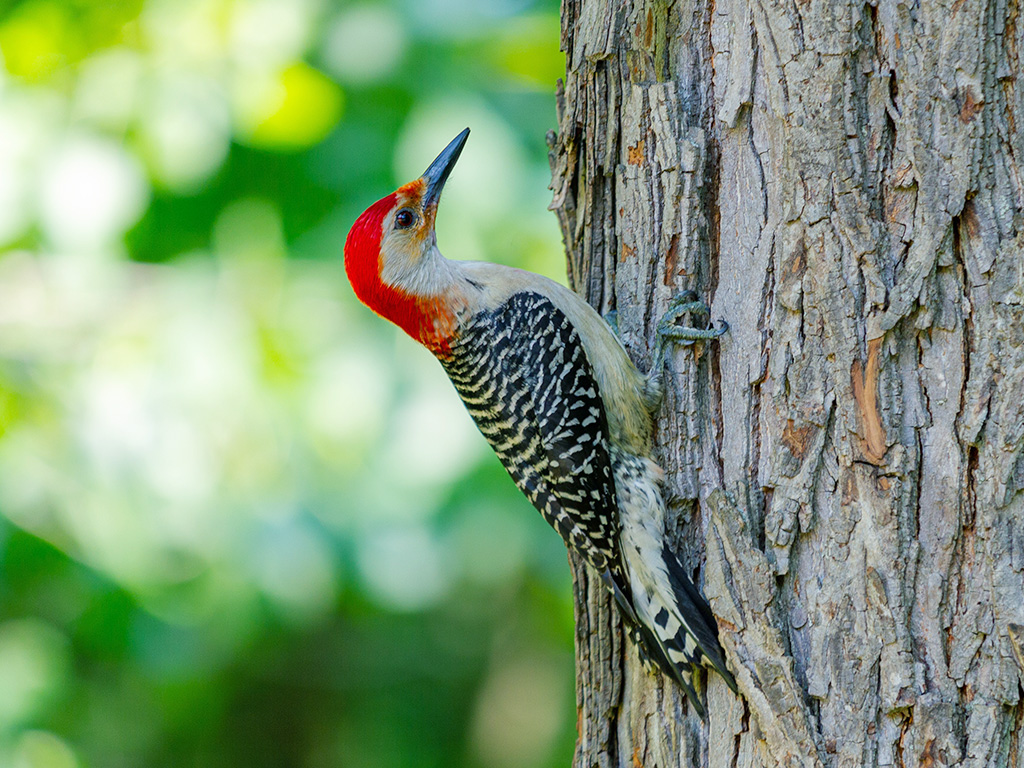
841,181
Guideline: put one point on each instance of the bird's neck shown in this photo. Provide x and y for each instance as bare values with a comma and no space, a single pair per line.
425,302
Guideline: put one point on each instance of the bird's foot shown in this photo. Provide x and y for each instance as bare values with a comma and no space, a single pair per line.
686,303
612,318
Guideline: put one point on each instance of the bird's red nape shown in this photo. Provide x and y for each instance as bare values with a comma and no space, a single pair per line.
428,320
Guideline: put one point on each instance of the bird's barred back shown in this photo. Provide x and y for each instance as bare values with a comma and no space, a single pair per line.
524,376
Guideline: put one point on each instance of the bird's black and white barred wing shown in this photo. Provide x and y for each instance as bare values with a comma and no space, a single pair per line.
524,376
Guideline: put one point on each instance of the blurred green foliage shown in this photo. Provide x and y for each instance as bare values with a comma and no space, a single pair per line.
243,522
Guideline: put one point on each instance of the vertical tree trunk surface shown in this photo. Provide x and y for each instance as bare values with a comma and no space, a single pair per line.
842,182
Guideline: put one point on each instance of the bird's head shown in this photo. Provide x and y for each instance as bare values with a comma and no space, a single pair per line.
391,256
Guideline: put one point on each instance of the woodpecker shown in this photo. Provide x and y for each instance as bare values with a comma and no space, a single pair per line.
552,389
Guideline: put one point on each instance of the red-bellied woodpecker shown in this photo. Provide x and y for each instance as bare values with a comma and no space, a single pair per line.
552,389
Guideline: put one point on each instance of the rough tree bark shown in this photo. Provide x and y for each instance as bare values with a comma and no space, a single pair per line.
845,467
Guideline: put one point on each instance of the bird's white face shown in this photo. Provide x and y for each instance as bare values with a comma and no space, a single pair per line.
408,245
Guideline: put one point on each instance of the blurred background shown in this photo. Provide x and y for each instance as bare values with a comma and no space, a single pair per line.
243,521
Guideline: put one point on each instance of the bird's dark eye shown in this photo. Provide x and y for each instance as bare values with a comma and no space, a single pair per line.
405,218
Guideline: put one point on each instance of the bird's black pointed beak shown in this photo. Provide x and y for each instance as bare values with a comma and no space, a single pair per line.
437,174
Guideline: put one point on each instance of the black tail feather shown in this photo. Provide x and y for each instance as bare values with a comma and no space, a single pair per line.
699,618
648,644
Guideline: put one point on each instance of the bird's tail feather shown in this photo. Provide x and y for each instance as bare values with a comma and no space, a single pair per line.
677,625
649,644
697,617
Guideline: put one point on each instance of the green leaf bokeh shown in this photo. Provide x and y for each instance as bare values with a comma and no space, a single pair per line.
243,521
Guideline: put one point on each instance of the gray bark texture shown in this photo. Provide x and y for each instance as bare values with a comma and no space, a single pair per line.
843,182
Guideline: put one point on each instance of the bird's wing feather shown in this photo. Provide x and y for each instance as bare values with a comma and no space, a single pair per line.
524,376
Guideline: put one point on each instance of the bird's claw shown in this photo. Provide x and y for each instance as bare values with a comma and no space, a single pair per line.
688,303
685,303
